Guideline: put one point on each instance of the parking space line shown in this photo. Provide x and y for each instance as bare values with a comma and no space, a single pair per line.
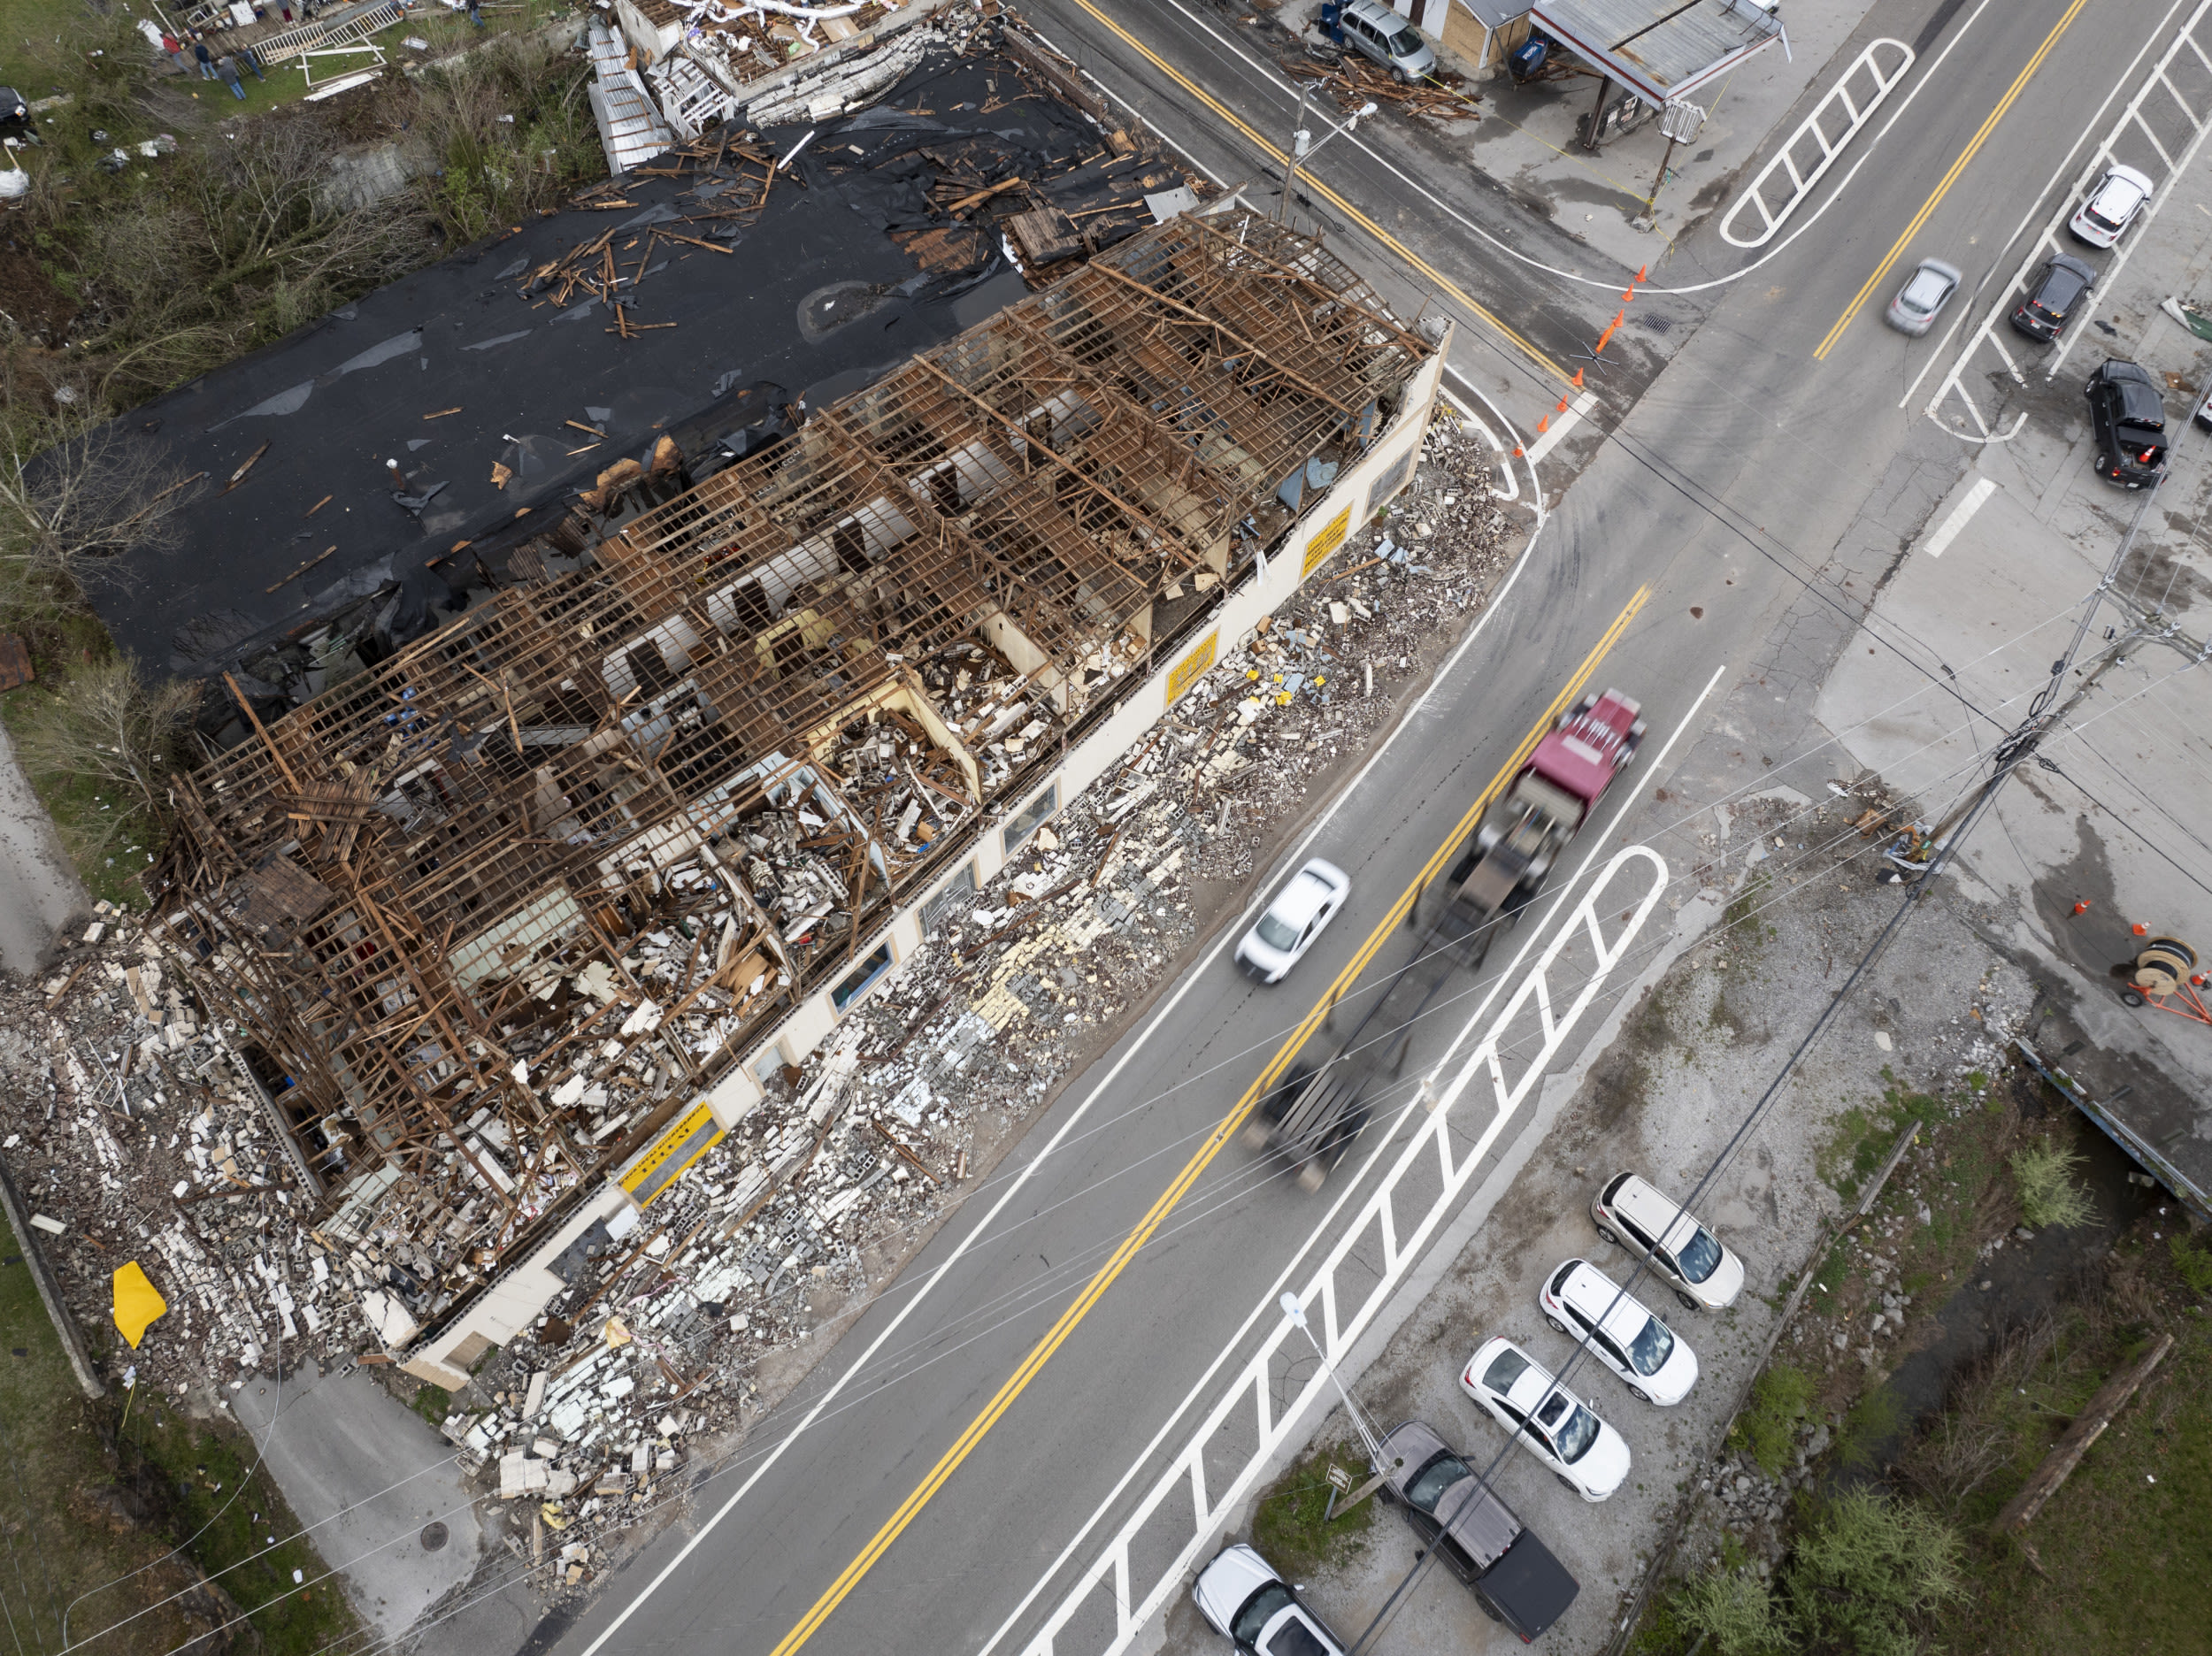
2048,241
1223,1133
1935,197
1947,531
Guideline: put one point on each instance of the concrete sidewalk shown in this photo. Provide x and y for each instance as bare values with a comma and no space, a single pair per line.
379,1491
1988,598
1526,139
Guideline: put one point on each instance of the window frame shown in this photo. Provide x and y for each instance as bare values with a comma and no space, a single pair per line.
1031,817
867,972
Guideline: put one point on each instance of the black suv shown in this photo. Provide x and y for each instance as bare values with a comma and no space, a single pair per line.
2062,283
2129,418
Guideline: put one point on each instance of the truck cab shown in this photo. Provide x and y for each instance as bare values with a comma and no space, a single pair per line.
1522,832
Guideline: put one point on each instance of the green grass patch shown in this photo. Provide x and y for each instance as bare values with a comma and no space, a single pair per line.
1868,1423
1289,1528
1767,1428
434,1403
216,1496
2043,1172
1863,1134
1741,916
2123,1544
2194,1263
23,22
66,1519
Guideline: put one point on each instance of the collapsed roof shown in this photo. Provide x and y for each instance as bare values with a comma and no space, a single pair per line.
723,298
492,911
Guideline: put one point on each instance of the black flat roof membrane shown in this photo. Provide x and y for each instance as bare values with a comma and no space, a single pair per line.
755,332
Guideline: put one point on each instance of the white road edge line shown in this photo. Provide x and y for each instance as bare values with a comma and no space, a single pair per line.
1268,72
1350,1189
1947,531
1535,484
1445,675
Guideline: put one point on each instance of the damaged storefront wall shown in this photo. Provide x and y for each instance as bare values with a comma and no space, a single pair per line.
634,1347
502,915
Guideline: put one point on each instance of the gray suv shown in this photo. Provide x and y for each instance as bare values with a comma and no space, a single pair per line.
1381,34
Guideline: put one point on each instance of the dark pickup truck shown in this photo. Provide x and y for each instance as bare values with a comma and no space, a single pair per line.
1513,1576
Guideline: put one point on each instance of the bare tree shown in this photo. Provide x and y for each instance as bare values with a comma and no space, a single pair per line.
106,727
68,514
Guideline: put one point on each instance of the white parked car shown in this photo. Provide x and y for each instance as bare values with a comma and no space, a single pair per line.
1580,1299
1242,1596
1630,1213
2120,194
1555,1425
1299,914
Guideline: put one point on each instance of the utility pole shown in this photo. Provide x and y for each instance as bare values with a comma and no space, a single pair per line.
1302,148
1924,853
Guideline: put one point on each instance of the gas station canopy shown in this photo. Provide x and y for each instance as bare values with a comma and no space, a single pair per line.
1660,49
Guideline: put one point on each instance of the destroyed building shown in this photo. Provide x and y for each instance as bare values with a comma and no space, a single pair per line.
541,897
675,666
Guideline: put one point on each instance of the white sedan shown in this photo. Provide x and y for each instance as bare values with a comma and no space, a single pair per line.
1242,1596
1580,1300
1554,1424
1300,912
2120,194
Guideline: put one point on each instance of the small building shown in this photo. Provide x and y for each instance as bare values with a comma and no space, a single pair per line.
1482,32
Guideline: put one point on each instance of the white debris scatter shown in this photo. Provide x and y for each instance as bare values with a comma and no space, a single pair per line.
139,1127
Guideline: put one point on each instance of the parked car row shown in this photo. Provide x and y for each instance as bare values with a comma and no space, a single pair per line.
1461,1521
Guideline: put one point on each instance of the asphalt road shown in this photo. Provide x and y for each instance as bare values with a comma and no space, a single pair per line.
1757,492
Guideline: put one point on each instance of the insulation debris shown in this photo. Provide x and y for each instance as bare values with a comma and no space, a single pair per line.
141,1110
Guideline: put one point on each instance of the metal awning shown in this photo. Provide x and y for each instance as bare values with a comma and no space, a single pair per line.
1661,48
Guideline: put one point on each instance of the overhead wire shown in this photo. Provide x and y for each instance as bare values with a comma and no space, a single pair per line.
1036,1290
1221,1198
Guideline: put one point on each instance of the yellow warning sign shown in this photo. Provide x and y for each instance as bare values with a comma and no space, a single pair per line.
1185,671
1332,536
690,1136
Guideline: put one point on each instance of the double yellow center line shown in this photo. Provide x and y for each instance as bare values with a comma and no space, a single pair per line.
1229,119
1973,148
1222,1132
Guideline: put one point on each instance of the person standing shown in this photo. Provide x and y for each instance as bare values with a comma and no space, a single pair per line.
174,51
227,68
476,12
253,62
207,59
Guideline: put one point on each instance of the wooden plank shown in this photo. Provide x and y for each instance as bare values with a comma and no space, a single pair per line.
2088,1426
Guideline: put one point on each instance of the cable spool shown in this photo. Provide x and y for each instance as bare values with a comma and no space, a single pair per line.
2162,965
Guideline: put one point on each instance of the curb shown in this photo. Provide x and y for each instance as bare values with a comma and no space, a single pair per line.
49,1289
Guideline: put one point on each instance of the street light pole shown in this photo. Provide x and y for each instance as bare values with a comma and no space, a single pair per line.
1296,1313
1303,149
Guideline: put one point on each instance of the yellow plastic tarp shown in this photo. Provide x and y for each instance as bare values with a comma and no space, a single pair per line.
138,1303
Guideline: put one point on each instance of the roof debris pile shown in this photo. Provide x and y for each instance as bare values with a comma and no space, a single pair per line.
1354,79
127,1117
492,911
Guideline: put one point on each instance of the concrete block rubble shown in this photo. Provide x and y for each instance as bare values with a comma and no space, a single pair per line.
132,1120
684,1325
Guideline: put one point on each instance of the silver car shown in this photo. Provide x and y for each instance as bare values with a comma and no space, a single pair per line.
2120,193
1926,291
1375,31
